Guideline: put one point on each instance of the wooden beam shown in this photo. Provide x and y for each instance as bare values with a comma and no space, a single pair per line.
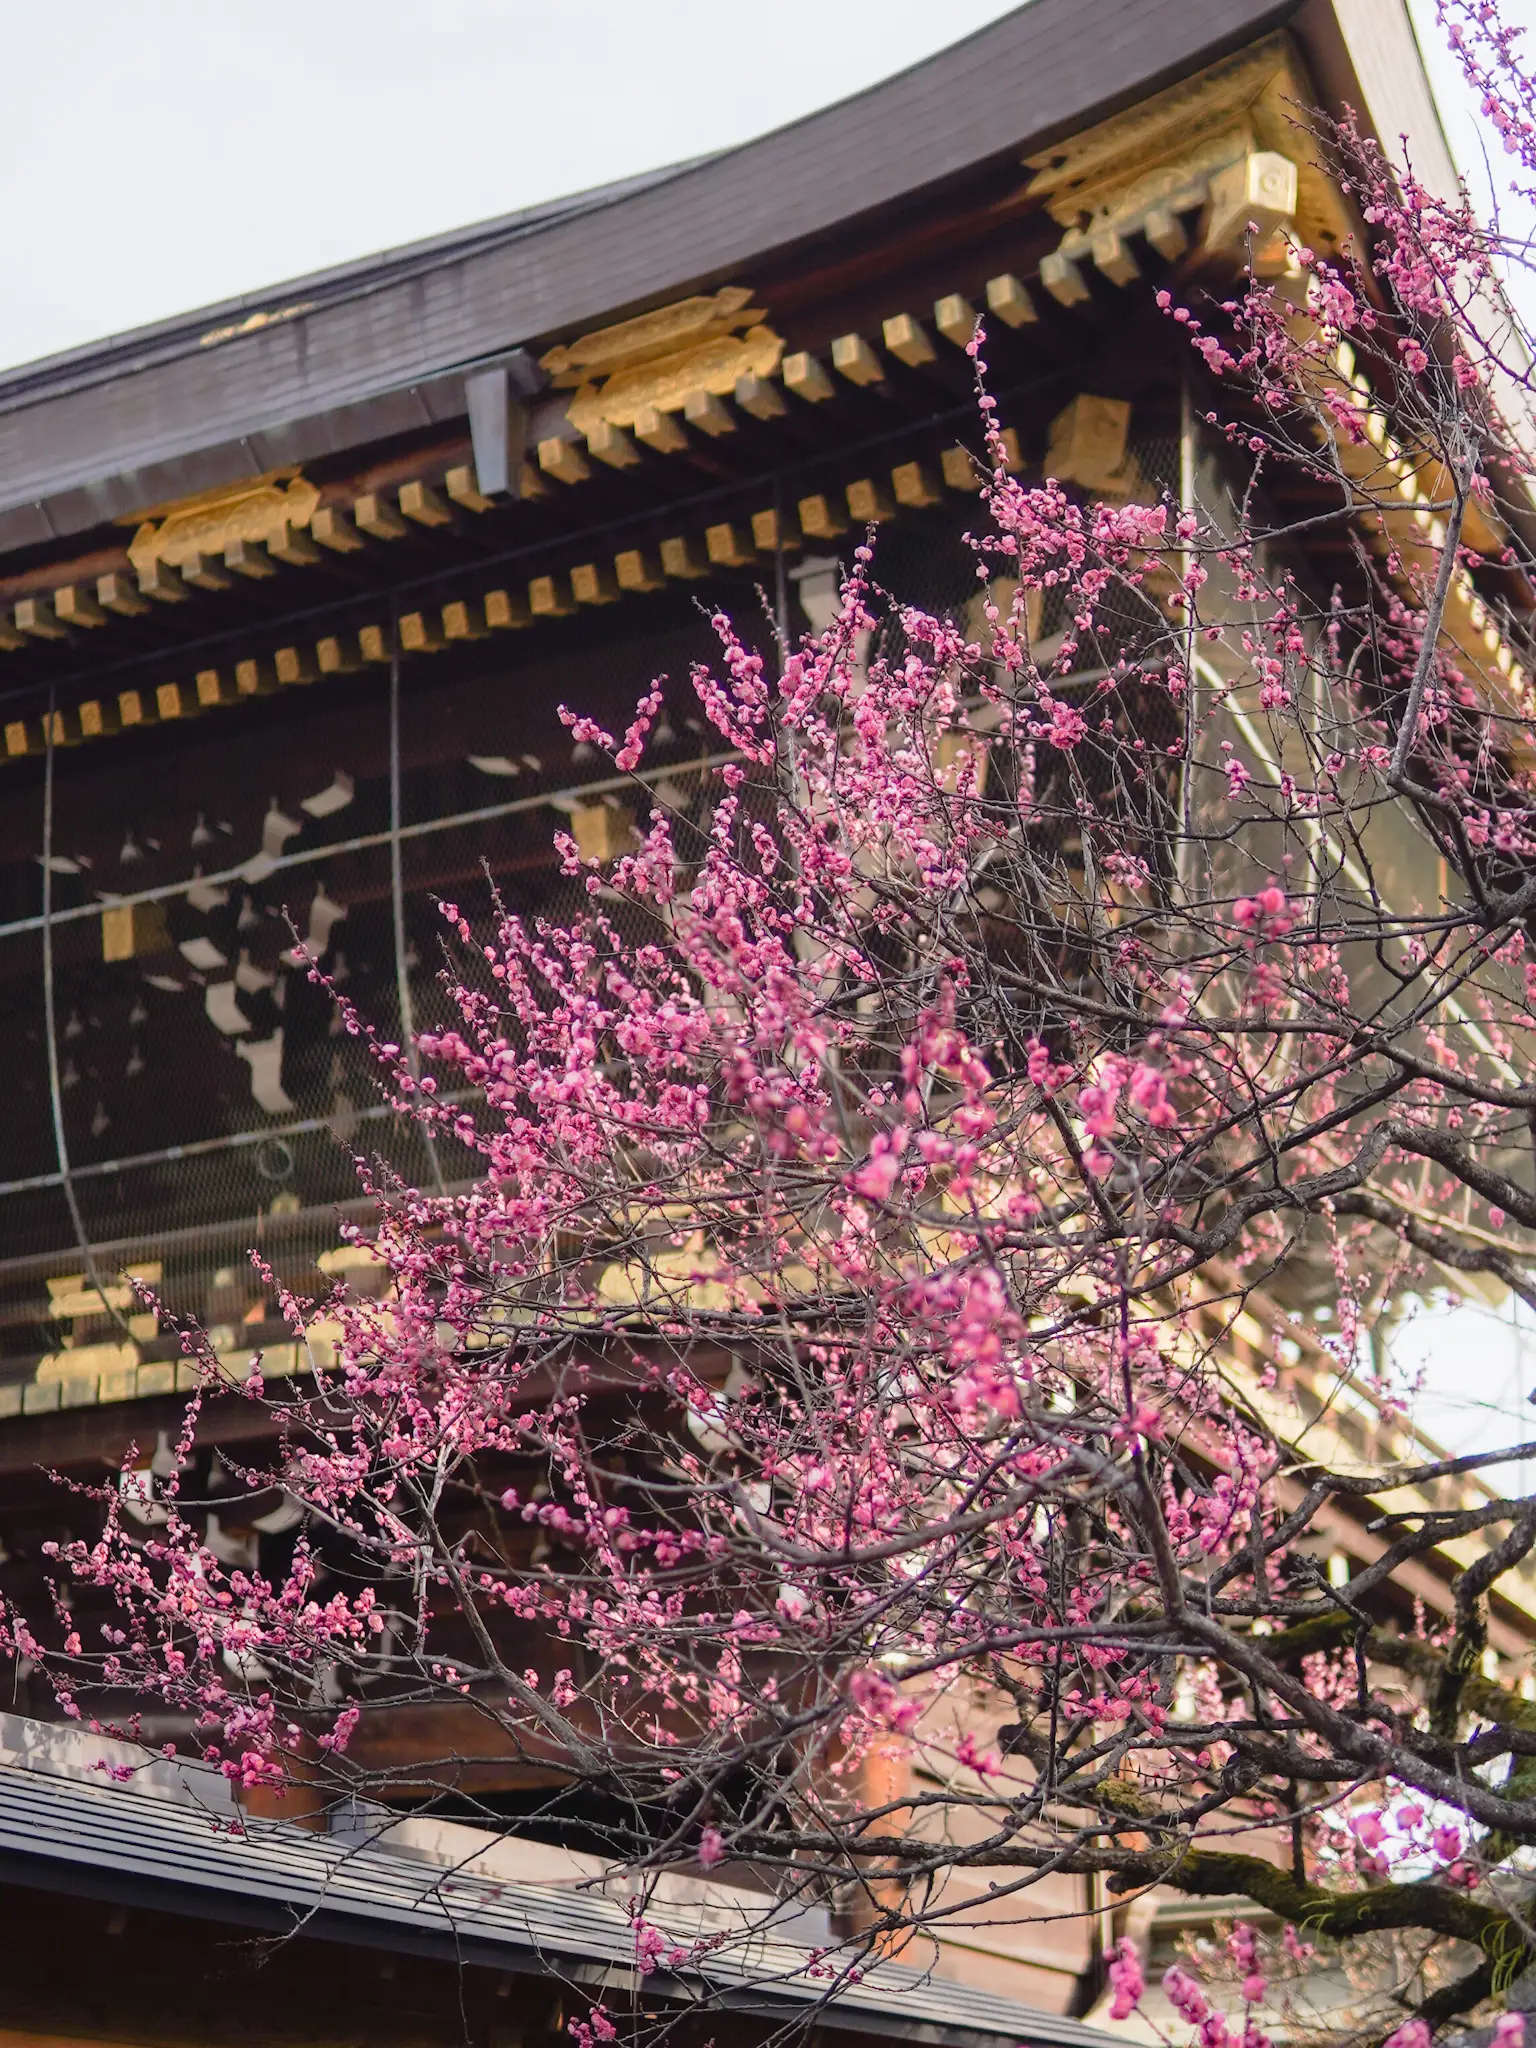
463,619
612,445
331,527
163,583
370,643
1063,280
76,605
376,517
498,431
203,573
117,592
760,397
135,707
34,616
771,532
399,1736
21,739
727,546
964,471
463,487
563,461
602,832
213,688
129,931
868,501
547,599
817,518
907,340
1009,299
1112,256
853,358
249,558
1087,440
334,656
254,678
10,639
913,486
176,700
660,431
592,583
955,318
294,665
679,559
1261,192
806,378
634,570
1165,231
420,634
961,470
711,415
63,727
98,718
418,501
291,544
505,611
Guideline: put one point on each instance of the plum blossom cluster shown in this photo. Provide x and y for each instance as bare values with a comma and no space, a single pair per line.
887,1387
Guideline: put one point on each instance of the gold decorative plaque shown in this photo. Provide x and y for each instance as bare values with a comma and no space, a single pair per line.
655,360
208,523
1162,156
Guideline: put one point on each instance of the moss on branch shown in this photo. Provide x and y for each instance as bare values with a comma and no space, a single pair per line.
1437,1909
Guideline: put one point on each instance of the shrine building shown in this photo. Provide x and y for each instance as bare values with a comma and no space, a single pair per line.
292,590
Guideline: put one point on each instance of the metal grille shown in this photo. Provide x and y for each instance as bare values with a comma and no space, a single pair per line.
211,1100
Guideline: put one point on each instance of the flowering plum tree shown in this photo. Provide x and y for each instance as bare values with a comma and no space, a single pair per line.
894,1391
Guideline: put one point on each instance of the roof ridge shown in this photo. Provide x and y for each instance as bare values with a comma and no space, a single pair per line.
202,326
106,1834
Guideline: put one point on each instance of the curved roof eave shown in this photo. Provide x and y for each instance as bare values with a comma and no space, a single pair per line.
96,433
110,1842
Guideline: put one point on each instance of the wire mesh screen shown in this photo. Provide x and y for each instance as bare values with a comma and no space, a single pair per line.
210,1096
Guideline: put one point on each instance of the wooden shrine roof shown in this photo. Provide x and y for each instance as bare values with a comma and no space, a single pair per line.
155,1851
377,347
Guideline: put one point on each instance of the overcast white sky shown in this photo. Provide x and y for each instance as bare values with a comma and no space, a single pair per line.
157,157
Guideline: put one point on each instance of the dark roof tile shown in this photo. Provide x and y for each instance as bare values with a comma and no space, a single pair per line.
104,429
